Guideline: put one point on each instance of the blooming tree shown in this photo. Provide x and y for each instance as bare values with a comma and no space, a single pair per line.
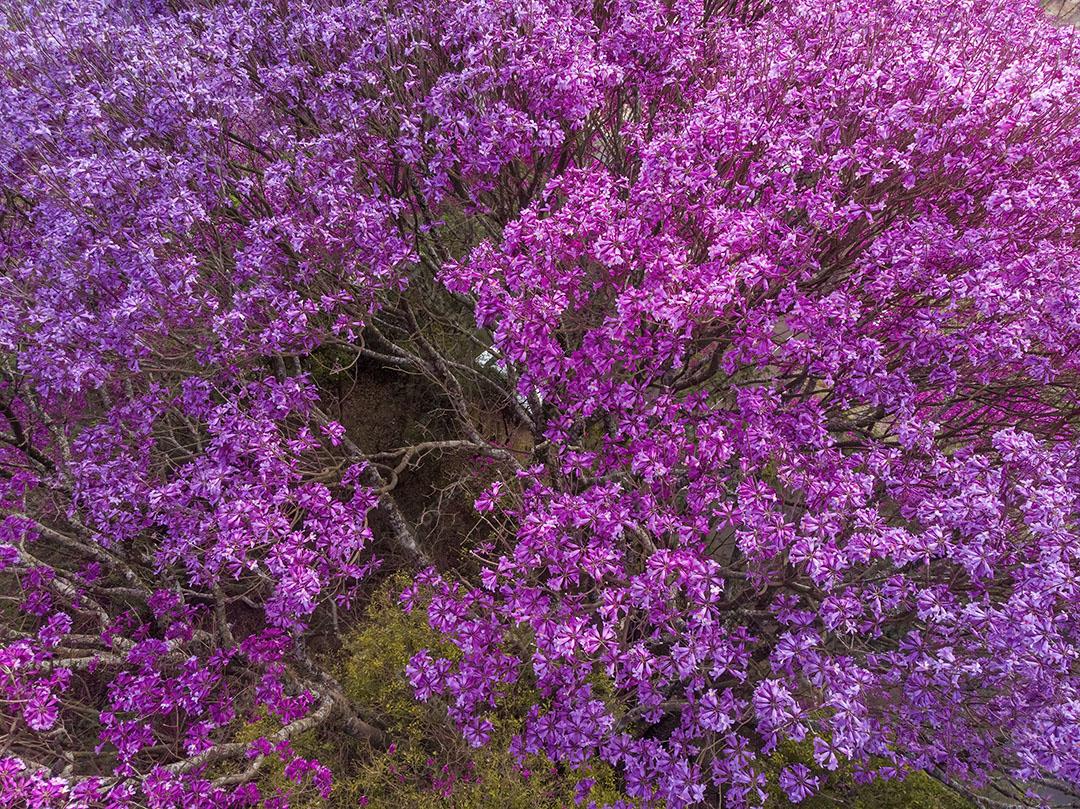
773,436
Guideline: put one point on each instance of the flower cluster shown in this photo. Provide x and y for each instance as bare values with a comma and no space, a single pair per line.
809,348
195,198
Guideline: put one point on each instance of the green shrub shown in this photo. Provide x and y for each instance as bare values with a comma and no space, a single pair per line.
916,791
429,766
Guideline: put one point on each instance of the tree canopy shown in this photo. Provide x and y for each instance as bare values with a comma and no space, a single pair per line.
748,333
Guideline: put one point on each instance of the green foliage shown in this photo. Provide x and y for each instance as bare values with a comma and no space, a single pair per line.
917,791
429,766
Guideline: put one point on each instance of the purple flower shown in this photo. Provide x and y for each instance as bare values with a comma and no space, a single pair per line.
797,782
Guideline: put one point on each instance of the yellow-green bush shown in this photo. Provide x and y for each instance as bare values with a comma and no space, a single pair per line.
916,791
428,752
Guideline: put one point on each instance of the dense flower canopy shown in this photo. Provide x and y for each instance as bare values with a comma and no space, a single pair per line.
780,302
